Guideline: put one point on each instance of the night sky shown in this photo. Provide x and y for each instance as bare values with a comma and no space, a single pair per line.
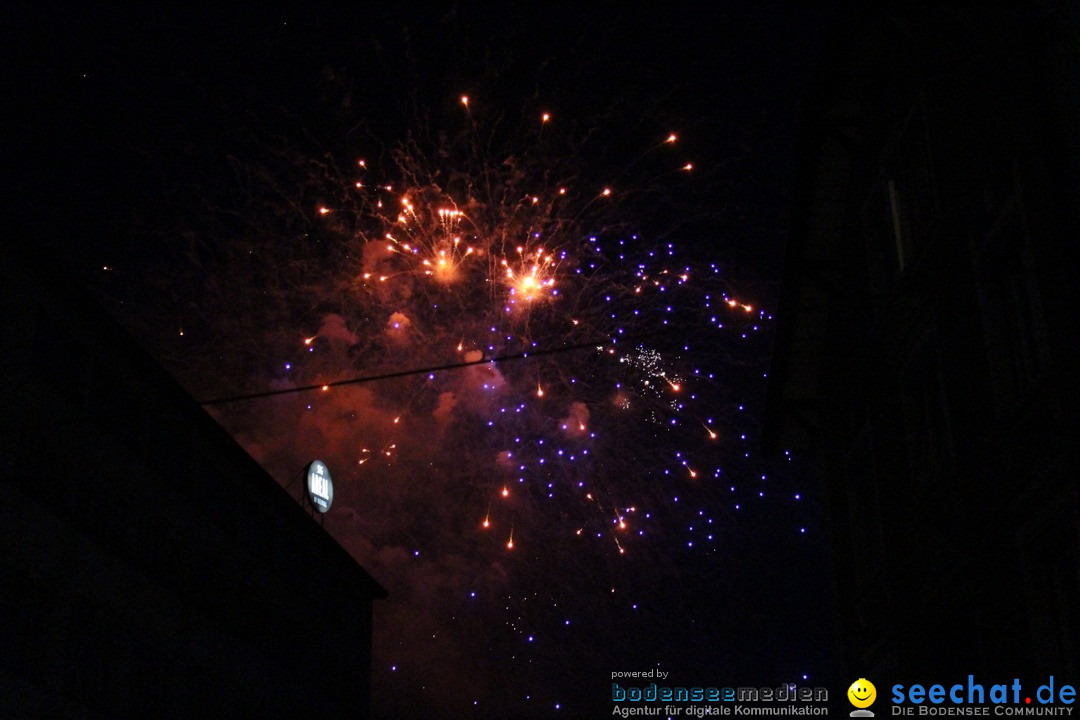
539,523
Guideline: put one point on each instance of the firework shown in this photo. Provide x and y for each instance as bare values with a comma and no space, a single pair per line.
476,258
548,418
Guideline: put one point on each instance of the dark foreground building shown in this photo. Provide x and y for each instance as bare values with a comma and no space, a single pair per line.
148,566
927,350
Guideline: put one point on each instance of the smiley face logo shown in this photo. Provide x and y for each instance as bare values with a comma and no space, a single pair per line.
862,693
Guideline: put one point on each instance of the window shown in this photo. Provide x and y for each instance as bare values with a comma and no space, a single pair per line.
1053,593
1014,326
927,424
899,213
902,248
910,186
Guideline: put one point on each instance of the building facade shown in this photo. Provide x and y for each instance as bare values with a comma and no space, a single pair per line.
927,348
148,566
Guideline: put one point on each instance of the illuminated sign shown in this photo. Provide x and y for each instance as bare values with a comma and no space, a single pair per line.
320,488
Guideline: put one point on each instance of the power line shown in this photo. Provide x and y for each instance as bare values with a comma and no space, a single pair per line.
415,371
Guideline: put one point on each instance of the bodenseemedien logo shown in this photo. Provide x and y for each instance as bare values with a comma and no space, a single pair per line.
862,694
676,700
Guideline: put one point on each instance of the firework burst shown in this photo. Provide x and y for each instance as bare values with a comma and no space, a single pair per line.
546,418
478,260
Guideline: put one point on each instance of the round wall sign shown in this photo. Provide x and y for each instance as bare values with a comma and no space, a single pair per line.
320,488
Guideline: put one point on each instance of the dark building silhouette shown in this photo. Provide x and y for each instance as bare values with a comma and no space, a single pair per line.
148,566
927,347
